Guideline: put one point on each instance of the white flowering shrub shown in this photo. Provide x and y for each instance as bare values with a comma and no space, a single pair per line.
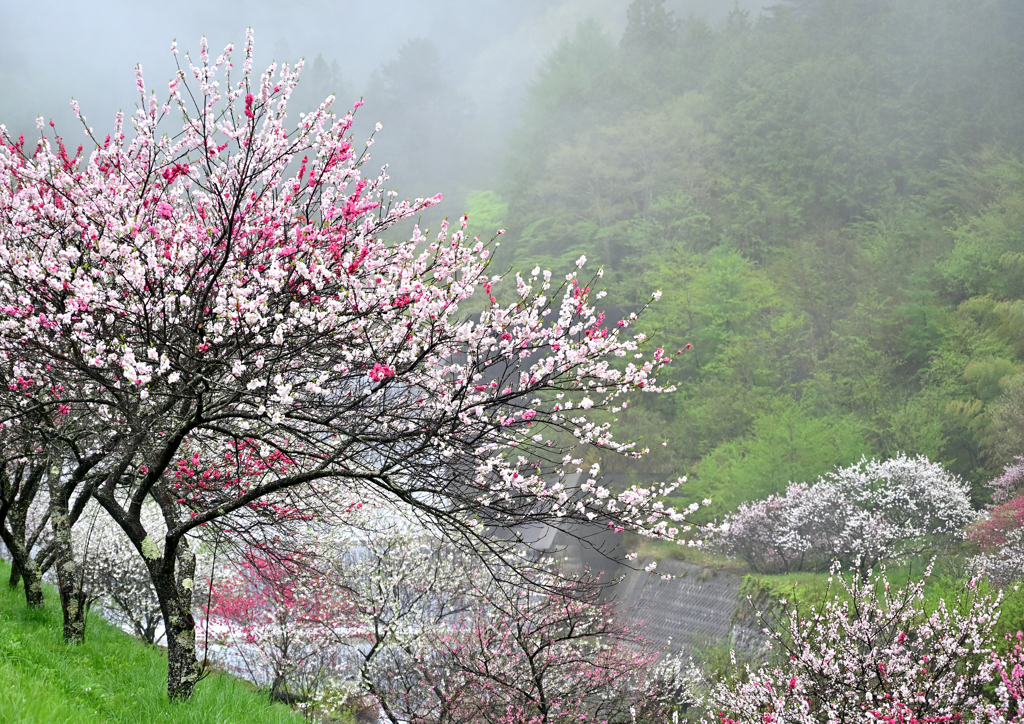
1004,564
868,512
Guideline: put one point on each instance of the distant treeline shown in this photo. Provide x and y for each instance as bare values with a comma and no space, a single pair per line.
831,198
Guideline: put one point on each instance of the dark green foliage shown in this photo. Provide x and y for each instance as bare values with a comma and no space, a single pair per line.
424,116
831,198
319,80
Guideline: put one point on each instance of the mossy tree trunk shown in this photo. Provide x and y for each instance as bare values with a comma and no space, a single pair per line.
174,585
69,579
172,566
24,569
18,488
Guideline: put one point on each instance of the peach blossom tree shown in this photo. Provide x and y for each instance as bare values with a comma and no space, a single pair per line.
209,293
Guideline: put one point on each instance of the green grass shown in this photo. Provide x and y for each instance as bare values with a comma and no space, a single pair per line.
113,677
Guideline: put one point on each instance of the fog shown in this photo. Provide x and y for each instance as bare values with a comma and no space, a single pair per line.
828,193
486,54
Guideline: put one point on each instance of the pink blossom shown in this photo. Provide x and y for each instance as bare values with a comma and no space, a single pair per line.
380,372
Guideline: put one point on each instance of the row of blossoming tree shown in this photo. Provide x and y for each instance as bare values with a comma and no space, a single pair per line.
205,334
435,637
208,347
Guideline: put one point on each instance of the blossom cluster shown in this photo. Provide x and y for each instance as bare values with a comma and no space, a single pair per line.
1000,534
1011,480
871,511
876,653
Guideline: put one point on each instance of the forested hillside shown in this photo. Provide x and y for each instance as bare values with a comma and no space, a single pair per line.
830,196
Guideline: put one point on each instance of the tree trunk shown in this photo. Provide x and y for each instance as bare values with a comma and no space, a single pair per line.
69,582
175,595
33,581
182,663
23,566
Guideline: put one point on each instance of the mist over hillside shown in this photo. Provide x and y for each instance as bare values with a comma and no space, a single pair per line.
402,473
482,57
808,181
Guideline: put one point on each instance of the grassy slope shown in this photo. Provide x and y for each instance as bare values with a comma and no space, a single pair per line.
111,678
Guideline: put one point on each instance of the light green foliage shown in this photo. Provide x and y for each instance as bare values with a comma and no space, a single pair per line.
785,445
112,677
1007,415
917,425
487,213
987,244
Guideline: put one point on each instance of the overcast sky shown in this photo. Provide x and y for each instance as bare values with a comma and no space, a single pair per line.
51,51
